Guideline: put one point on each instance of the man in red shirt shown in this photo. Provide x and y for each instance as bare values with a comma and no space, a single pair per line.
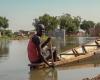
34,47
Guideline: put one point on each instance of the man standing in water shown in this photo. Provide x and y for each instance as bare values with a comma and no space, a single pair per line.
35,47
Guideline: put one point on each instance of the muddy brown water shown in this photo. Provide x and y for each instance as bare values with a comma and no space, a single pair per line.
14,65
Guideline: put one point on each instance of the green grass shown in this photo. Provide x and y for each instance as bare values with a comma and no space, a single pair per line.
4,37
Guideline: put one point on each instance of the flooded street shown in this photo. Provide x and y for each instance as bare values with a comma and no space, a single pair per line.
14,65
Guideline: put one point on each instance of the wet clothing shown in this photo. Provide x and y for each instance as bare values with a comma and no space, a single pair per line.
32,49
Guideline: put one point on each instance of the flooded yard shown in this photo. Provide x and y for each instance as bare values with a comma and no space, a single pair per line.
14,63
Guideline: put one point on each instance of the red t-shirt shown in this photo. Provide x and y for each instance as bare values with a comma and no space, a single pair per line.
32,48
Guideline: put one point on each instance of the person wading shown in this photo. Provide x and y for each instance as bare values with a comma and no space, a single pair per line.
35,47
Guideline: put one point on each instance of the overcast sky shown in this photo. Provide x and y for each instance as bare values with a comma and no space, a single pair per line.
21,12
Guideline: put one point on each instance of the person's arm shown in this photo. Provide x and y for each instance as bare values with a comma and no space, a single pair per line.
43,45
46,42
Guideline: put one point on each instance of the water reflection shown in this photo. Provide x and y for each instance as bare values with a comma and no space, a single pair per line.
4,48
15,65
43,74
70,42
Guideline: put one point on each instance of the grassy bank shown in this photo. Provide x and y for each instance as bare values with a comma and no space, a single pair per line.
14,38
4,37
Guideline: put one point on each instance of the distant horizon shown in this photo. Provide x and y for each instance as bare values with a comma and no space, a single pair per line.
22,12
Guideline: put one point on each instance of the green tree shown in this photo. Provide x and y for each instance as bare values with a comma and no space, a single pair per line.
8,33
69,23
1,22
86,25
49,22
97,25
35,22
4,22
77,21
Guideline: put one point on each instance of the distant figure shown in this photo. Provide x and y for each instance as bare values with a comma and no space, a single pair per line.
35,47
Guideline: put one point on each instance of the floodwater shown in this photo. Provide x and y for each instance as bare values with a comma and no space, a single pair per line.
14,64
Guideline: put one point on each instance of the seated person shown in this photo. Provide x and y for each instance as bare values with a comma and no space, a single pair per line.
35,47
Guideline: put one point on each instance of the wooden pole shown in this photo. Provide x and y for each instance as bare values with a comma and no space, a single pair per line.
91,45
74,53
83,48
51,53
98,45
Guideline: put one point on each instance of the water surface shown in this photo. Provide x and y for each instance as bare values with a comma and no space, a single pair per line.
14,64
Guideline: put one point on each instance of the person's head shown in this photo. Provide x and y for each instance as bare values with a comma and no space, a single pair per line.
40,29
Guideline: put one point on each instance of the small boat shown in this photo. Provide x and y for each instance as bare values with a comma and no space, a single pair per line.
75,54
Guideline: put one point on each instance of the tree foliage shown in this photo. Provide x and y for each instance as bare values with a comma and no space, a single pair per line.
3,22
69,23
49,22
97,25
86,25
